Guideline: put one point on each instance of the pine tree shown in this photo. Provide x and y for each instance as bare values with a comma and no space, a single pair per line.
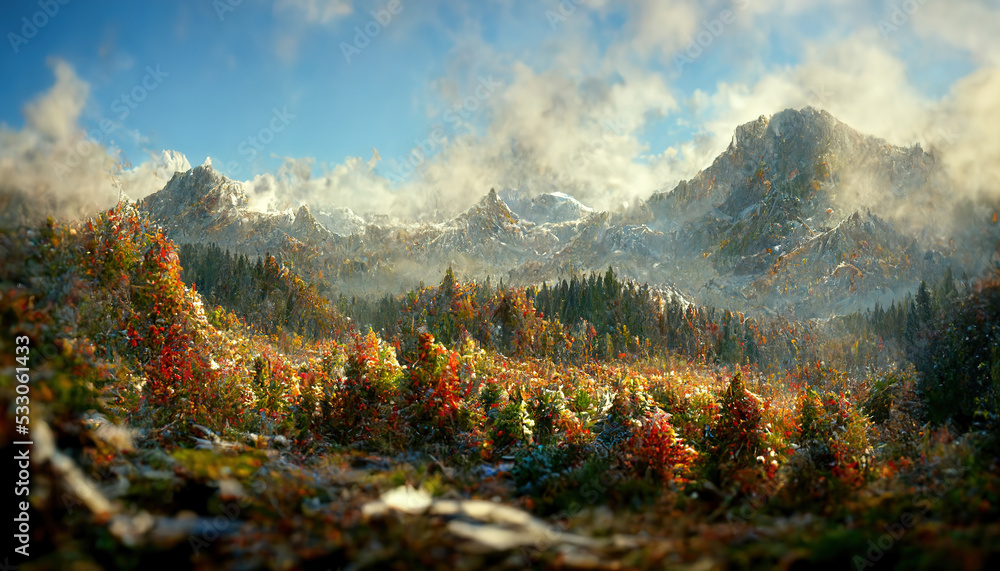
925,306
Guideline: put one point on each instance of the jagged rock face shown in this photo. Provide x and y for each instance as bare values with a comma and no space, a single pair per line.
202,205
801,213
788,187
491,231
201,188
863,261
794,166
549,208
307,229
341,221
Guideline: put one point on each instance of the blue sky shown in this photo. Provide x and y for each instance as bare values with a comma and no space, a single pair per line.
606,100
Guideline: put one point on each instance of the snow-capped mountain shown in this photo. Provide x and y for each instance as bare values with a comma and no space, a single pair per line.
548,208
803,186
202,205
153,174
491,231
801,213
340,220
198,190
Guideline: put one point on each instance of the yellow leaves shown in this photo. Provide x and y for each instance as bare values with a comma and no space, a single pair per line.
210,465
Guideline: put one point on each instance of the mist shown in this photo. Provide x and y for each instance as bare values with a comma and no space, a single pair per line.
573,117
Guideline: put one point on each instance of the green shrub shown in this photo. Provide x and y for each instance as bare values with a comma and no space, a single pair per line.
835,455
434,398
738,452
511,425
364,409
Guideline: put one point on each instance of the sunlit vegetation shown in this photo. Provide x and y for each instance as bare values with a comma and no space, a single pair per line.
689,434
259,291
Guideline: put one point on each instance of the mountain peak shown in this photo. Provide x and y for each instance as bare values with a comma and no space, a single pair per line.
490,213
339,220
303,215
202,185
548,208
807,125
491,205
306,228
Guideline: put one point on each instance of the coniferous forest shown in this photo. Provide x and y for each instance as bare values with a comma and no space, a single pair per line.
204,408
364,285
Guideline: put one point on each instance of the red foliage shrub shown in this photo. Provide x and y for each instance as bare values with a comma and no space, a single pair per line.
739,451
434,404
655,446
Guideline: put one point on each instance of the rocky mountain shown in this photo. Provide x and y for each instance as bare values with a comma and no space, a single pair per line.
549,208
198,192
340,220
305,227
490,231
202,205
801,214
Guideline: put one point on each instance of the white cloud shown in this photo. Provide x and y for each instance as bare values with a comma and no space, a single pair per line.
50,167
968,121
299,16
153,174
970,25
55,114
572,118
661,28
352,183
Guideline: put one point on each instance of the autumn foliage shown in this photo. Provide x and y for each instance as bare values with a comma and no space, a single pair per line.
590,394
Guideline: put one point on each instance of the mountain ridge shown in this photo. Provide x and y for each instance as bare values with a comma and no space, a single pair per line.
799,186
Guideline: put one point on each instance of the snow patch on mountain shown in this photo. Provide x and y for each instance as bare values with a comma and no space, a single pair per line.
548,208
154,174
342,221
202,187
